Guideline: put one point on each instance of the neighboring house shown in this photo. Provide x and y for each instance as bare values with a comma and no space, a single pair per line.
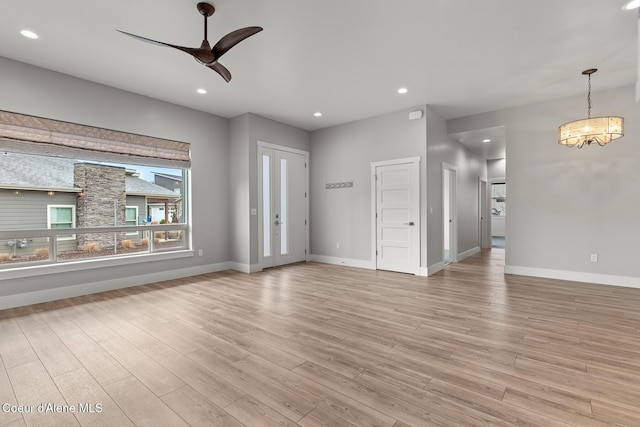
51,192
173,183
168,181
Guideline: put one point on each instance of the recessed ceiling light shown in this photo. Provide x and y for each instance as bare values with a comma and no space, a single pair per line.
633,4
403,90
317,114
201,91
486,140
29,34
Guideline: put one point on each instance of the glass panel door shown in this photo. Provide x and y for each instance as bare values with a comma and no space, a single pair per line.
282,196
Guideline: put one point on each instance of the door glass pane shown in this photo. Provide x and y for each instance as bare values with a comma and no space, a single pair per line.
284,247
266,205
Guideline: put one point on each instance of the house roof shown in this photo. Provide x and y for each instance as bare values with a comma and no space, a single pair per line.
47,173
140,187
23,171
168,175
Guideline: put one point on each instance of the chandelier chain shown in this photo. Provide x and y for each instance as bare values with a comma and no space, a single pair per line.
589,99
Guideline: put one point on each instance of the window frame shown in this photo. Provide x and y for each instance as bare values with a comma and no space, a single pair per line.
180,245
31,135
133,233
73,219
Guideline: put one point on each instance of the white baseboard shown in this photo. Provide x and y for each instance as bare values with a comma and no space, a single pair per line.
370,265
358,263
433,269
467,254
244,268
574,276
35,297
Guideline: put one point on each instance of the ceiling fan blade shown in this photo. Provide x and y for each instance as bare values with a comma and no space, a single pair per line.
193,51
222,70
232,39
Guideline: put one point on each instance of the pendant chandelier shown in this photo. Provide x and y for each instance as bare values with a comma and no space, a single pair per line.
601,130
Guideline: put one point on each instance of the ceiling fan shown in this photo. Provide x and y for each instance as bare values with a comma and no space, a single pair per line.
205,54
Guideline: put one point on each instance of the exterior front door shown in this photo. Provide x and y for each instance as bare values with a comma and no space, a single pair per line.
283,201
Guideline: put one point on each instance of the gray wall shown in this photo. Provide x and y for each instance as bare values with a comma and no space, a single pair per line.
565,204
496,168
239,202
344,153
470,168
31,90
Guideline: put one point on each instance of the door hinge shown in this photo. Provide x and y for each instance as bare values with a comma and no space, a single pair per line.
305,222
305,194
305,251
305,165
376,252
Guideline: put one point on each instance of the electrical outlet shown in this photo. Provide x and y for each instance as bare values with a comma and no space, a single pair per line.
200,252
594,257
338,245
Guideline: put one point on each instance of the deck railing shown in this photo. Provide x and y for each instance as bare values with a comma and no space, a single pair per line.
29,247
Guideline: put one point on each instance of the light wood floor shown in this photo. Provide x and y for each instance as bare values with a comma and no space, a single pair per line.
319,345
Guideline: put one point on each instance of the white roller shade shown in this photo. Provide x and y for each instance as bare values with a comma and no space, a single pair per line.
21,133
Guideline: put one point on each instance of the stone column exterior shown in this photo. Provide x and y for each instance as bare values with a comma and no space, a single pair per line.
102,186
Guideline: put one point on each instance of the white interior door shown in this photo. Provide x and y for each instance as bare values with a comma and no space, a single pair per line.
397,217
283,202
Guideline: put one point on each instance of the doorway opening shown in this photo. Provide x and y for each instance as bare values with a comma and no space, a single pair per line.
483,216
449,224
498,213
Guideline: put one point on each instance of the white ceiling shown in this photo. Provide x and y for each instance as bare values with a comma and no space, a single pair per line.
345,58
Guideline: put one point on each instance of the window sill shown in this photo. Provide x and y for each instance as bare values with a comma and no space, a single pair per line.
71,266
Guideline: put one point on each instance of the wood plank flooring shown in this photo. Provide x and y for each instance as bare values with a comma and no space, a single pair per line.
319,345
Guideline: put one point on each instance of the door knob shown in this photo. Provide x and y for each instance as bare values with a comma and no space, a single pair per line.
409,223
277,222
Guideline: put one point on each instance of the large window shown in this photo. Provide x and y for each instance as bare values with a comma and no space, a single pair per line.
74,192
101,206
